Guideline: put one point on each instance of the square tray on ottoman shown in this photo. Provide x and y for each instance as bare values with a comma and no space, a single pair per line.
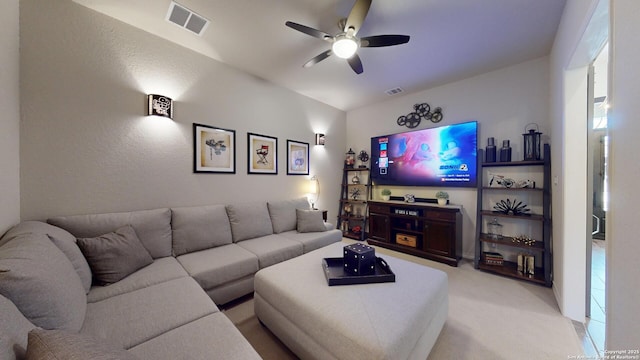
391,320
335,273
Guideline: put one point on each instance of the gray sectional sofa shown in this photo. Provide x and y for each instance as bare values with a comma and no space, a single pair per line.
166,269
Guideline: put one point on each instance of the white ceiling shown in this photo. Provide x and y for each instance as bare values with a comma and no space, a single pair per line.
450,40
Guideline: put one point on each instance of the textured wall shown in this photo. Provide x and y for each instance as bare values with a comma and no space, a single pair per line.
9,117
86,146
502,101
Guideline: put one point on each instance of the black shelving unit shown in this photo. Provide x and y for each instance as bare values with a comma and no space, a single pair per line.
349,221
542,248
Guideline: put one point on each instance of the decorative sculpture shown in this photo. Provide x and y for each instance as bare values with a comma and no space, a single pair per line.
421,111
509,207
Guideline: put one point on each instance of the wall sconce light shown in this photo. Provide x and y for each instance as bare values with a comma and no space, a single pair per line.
320,139
314,191
160,105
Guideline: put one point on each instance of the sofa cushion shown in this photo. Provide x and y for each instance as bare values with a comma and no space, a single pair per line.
13,331
199,227
63,240
162,269
39,279
272,249
314,240
115,255
132,318
249,220
153,227
58,344
309,221
214,267
283,213
211,337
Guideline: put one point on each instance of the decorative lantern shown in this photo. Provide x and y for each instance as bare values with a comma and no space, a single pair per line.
531,143
350,160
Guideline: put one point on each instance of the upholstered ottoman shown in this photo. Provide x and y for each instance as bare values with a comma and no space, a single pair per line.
399,320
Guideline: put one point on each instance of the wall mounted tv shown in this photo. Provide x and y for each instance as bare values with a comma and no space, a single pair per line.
444,156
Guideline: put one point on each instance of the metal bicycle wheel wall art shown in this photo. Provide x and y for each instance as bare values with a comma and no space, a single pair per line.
420,111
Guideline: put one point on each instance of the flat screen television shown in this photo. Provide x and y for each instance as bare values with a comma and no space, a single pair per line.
444,156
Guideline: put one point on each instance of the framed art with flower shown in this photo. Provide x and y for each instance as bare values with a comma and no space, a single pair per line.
297,158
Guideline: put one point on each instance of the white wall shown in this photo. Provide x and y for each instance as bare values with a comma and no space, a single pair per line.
623,272
503,102
574,47
9,116
86,146
577,43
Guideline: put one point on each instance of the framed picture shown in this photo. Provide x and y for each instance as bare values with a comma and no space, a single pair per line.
262,154
214,150
297,158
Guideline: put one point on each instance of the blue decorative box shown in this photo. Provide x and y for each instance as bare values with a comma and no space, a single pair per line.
359,259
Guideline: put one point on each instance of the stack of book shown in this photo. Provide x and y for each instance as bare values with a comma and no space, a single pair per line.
493,258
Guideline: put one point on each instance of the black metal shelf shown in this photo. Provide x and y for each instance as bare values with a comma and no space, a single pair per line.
533,217
513,163
538,246
347,222
512,189
542,247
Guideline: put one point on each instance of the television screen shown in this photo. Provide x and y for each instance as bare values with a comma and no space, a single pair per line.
442,156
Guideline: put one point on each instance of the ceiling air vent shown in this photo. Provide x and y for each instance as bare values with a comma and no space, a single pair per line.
394,91
186,18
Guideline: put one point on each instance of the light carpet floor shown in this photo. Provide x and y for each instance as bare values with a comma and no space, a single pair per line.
490,317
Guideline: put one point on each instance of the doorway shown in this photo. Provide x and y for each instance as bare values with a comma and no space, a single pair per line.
598,194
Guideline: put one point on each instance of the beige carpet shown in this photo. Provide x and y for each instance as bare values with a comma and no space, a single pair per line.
490,317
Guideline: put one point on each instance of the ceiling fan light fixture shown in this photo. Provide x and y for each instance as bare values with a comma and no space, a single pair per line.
344,46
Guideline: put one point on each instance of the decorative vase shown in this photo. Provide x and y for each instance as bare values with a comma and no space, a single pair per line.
491,151
442,201
505,152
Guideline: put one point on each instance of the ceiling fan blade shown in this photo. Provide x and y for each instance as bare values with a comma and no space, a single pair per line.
309,31
383,40
357,15
317,59
355,63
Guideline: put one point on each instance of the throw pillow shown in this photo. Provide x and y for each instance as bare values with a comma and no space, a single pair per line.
115,255
310,221
56,344
39,279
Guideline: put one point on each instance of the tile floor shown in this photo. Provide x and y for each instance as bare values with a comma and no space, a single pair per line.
592,332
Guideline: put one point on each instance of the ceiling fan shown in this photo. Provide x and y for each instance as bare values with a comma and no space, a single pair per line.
346,44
